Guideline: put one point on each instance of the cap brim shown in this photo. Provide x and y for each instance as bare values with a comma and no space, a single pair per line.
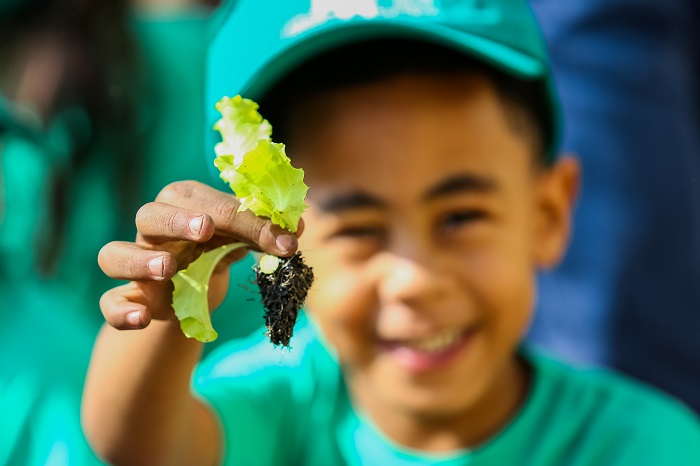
324,38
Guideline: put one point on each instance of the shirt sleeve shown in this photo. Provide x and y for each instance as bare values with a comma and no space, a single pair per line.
656,429
673,437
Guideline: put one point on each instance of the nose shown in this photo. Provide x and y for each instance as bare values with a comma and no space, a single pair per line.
415,281
412,292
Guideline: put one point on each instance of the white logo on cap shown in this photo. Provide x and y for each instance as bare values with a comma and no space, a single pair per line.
325,10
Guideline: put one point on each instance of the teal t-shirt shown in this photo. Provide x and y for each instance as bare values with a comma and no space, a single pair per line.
281,406
44,352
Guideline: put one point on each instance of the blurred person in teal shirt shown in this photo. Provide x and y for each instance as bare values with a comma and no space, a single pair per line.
83,110
60,102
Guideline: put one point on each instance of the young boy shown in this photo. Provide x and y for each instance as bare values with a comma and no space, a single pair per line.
427,135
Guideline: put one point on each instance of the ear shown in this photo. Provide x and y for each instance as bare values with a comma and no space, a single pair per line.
557,191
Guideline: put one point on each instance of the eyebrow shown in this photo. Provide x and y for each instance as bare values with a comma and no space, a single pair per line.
459,184
351,201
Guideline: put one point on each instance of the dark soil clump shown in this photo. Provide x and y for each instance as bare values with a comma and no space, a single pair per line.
283,294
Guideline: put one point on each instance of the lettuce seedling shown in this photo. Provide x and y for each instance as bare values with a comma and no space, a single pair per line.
264,180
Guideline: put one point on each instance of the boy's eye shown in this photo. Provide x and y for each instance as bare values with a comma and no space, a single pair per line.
462,218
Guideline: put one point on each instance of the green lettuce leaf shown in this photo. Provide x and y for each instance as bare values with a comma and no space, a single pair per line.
241,127
190,295
267,184
263,177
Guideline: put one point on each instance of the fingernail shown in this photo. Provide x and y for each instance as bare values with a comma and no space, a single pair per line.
134,319
156,266
286,243
196,225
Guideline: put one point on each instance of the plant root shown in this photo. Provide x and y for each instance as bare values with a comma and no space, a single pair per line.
283,294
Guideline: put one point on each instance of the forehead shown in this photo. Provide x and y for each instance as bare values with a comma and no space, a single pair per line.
409,130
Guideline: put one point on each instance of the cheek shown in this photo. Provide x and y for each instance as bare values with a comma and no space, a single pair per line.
503,284
343,303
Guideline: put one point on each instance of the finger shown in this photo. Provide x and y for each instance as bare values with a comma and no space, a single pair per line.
261,234
136,304
158,222
244,226
127,261
121,313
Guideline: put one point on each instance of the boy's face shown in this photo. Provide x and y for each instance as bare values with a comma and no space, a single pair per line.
427,221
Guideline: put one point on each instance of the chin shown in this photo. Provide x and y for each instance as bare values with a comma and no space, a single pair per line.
435,399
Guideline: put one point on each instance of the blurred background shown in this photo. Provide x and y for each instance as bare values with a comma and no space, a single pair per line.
628,293
102,104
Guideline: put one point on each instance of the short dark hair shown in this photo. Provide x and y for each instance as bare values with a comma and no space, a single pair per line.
525,102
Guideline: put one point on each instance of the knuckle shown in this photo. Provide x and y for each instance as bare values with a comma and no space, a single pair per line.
176,190
168,193
173,223
169,265
133,268
258,231
226,210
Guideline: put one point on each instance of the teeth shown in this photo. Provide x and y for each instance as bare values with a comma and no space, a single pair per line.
436,343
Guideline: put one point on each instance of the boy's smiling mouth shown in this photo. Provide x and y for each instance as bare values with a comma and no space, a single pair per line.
431,352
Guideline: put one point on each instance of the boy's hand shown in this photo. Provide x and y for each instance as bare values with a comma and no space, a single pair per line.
187,219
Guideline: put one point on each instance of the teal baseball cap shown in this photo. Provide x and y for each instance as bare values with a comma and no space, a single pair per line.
256,43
